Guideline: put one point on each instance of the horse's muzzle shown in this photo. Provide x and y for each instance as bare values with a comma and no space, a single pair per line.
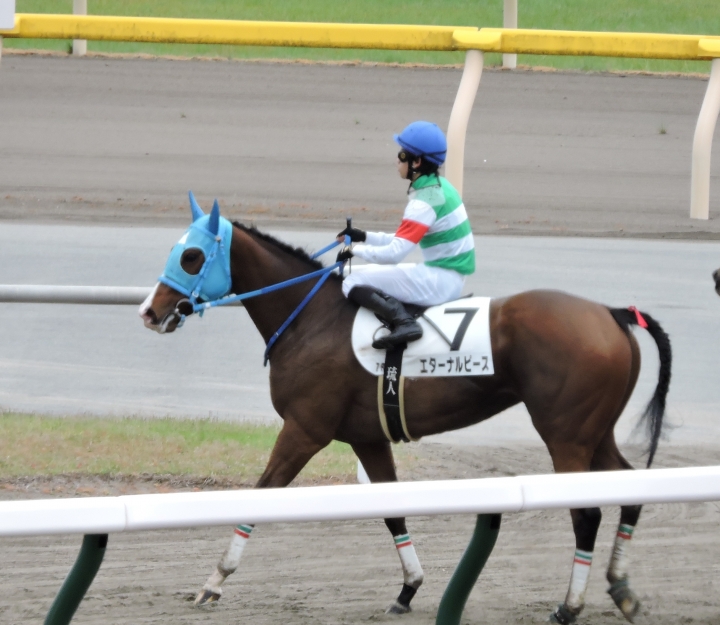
168,322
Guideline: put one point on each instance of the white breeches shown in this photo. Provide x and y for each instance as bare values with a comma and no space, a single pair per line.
413,284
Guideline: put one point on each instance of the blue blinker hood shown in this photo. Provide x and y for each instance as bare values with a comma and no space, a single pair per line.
211,234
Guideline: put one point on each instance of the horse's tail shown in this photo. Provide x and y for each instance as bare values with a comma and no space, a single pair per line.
652,418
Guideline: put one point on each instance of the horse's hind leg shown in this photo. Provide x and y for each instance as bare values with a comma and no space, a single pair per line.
609,458
617,575
292,451
378,462
585,525
586,522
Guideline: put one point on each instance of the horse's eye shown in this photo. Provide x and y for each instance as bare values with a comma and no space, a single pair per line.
190,256
190,260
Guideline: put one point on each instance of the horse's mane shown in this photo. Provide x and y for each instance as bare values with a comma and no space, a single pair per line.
296,252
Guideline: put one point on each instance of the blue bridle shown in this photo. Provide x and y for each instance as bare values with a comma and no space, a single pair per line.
212,234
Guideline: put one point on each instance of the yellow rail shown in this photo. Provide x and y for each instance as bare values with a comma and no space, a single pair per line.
579,43
246,33
377,36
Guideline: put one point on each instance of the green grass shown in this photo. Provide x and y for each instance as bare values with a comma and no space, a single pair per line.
32,445
661,16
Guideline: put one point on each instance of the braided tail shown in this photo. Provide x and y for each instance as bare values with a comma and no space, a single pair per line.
652,418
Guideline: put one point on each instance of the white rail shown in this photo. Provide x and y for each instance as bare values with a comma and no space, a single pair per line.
96,295
103,515
50,294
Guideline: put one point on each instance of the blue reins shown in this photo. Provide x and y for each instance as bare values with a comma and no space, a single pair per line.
323,273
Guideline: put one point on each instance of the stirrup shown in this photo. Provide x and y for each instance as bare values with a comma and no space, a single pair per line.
402,333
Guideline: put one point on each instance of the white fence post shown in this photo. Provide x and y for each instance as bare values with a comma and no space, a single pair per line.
7,18
510,20
702,146
79,46
459,117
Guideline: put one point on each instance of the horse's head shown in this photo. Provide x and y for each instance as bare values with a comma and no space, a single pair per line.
197,270
716,275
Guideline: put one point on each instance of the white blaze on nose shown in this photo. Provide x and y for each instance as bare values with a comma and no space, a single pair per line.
146,305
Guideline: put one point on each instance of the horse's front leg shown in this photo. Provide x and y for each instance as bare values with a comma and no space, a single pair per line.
377,459
292,451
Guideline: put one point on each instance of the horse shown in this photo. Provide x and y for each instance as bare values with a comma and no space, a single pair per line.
574,364
716,277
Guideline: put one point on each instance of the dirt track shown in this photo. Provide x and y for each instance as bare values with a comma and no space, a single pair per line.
330,573
291,145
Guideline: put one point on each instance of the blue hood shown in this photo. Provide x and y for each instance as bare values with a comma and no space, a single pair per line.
212,234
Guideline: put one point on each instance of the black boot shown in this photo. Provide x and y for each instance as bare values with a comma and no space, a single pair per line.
404,328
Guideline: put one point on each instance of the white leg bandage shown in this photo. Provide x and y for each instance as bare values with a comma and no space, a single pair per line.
412,571
575,599
619,560
230,559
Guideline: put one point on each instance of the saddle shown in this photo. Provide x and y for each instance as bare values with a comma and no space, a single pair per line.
455,342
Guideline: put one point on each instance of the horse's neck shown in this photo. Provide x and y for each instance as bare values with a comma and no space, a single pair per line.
257,264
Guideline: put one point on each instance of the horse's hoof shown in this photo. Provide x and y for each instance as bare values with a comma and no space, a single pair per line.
206,597
398,608
562,616
625,599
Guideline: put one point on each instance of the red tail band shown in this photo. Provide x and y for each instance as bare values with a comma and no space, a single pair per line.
638,315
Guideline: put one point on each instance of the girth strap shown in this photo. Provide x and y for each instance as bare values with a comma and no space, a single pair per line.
391,399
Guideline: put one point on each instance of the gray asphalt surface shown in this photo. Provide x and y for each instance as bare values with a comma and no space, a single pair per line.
296,147
69,359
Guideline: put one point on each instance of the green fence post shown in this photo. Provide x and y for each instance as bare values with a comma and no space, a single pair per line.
468,569
78,580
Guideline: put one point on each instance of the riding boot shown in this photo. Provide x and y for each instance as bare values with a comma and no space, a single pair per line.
404,328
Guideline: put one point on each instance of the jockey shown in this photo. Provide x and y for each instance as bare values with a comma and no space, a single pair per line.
435,218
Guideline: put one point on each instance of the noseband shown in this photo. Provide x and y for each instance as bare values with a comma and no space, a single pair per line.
176,315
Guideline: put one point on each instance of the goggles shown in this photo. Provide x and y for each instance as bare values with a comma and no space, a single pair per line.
404,156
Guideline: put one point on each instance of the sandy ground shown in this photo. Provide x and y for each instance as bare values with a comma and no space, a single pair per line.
347,572
290,145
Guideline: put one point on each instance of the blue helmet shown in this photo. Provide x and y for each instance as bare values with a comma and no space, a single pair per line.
424,139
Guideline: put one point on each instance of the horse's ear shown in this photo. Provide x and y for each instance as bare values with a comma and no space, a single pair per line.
214,222
197,212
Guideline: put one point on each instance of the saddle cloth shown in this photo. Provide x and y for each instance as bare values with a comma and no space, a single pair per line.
455,341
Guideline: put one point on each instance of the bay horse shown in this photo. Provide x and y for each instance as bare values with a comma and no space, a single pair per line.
574,364
716,277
